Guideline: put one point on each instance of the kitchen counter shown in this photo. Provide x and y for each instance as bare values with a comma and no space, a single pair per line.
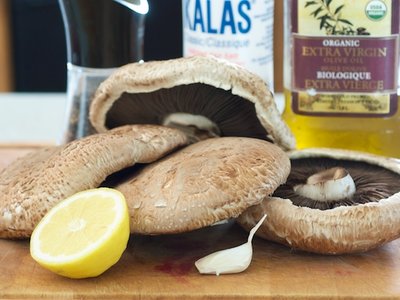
162,267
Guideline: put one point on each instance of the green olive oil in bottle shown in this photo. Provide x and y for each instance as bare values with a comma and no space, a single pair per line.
341,74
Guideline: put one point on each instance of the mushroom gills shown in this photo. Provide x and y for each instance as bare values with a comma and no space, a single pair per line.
215,111
326,183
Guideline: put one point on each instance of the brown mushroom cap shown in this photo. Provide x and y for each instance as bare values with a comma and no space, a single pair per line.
234,101
203,183
33,184
343,229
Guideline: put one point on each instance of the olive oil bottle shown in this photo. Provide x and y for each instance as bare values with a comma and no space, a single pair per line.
341,76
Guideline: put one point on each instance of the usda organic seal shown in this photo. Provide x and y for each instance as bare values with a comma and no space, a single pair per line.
376,10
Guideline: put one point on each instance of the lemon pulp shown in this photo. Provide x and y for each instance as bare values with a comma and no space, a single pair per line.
83,235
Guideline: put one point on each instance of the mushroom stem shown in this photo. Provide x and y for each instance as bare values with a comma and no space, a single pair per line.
328,185
196,127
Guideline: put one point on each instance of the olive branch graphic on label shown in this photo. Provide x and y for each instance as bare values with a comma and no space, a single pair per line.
330,19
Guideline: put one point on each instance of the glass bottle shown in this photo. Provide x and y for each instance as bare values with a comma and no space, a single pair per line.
101,35
341,81
240,31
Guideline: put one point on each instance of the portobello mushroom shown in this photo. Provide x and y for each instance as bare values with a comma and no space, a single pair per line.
204,96
202,184
33,184
334,201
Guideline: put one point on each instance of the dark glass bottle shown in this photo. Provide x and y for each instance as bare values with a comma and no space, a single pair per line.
101,35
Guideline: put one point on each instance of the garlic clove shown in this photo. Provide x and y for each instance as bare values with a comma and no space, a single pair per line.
232,260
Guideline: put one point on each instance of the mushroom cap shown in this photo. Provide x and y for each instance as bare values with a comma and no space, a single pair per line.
236,100
33,184
204,183
343,229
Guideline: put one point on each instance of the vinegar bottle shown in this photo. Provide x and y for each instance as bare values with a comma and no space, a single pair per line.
100,36
341,81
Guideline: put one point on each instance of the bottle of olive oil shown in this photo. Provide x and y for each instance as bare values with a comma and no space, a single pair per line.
341,76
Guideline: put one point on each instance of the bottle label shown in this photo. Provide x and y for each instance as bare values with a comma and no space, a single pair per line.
240,31
345,57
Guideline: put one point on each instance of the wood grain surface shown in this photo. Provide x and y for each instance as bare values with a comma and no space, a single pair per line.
162,267
8,153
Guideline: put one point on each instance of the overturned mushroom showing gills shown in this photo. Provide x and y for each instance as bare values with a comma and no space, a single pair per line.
204,96
33,184
201,184
357,221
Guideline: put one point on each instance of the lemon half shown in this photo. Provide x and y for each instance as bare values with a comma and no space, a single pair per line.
84,235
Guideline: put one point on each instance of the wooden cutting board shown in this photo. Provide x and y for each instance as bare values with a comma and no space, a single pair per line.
162,267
